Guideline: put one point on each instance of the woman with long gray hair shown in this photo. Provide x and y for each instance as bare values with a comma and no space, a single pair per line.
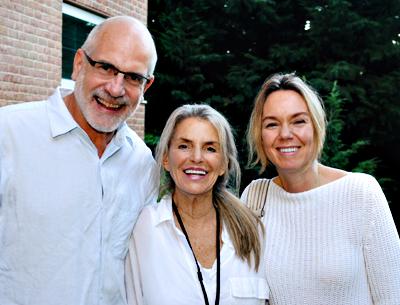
199,244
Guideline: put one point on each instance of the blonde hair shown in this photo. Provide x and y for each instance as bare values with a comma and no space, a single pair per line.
242,225
314,104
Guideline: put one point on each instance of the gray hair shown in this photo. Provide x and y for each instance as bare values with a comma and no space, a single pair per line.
242,225
231,176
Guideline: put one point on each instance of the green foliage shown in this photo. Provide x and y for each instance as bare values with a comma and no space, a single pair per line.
336,153
220,52
151,140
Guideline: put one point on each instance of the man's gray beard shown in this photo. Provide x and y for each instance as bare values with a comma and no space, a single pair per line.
87,114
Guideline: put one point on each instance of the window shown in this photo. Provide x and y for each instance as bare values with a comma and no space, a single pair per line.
77,24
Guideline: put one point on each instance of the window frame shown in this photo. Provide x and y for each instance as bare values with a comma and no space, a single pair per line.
81,14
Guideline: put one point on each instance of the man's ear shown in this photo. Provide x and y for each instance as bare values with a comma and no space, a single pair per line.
148,83
78,64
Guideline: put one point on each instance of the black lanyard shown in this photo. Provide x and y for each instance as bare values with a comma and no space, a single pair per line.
199,275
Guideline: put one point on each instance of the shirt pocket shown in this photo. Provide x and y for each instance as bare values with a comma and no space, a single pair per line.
249,290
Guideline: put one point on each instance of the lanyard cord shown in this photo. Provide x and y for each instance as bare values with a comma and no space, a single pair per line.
199,275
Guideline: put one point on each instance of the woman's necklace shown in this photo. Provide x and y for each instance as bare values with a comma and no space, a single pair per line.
217,246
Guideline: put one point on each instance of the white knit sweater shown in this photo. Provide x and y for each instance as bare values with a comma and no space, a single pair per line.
335,244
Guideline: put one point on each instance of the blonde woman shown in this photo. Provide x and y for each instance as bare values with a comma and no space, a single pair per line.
331,238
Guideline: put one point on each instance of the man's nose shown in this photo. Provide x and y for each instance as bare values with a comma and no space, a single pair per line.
116,85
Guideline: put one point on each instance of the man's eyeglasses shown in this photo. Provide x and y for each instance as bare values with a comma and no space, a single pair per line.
107,70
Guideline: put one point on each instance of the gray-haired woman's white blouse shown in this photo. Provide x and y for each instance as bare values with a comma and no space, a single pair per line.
160,267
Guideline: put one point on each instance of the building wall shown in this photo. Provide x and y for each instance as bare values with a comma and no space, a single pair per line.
30,46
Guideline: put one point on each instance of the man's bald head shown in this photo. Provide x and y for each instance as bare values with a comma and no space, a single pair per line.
130,28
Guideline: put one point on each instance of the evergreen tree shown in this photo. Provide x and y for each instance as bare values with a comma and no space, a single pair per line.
220,52
335,152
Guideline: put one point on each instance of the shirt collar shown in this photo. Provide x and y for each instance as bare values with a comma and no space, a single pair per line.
124,135
165,210
165,214
61,121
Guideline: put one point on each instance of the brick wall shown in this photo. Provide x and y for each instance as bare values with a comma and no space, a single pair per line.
30,49
135,8
30,46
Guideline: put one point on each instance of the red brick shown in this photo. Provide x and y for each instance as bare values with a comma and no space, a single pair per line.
30,47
